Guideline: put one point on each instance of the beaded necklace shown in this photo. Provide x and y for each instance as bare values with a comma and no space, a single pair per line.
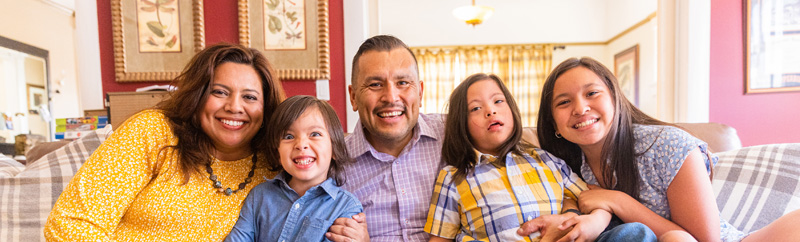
228,191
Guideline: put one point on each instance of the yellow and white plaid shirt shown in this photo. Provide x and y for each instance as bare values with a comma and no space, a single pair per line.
496,198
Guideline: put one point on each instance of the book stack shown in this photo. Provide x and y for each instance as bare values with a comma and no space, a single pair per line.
73,128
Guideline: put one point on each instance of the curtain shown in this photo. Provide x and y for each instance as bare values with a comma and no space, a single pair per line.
523,69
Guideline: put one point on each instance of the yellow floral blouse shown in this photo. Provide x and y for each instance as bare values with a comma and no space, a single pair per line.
130,191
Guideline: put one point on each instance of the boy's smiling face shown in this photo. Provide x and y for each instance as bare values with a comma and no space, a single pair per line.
305,151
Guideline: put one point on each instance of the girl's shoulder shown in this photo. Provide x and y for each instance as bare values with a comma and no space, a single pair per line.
661,135
665,147
644,130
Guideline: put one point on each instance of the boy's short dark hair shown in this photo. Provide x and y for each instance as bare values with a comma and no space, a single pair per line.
287,113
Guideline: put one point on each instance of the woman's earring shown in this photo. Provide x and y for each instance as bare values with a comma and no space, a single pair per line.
558,135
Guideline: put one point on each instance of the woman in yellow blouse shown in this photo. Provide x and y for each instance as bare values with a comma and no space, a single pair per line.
179,172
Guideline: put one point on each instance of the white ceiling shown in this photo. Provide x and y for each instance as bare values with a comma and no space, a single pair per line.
431,22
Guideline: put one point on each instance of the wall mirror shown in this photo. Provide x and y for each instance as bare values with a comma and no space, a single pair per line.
24,92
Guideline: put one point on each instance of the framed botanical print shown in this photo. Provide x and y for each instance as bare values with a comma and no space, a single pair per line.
626,69
155,39
292,34
772,40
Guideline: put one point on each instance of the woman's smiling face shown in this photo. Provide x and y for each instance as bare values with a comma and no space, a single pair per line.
583,107
234,111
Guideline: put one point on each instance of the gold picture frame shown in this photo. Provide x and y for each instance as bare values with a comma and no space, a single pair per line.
626,69
134,26
772,46
257,26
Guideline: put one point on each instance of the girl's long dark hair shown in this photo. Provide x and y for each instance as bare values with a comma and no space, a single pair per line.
458,148
618,147
181,109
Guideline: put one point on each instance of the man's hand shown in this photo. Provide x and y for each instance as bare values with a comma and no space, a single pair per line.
349,230
547,226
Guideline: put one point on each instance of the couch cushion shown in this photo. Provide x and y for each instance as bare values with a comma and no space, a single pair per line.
756,185
44,148
719,137
26,199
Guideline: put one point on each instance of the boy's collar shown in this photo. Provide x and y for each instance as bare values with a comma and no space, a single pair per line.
329,185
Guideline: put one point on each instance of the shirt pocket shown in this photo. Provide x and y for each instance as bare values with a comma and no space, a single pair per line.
312,229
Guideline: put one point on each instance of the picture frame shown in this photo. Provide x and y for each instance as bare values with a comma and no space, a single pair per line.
155,39
262,21
37,96
772,46
626,69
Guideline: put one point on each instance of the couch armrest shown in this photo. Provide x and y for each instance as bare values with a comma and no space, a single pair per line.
719,137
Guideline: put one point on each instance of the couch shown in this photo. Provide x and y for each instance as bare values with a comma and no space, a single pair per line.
753,185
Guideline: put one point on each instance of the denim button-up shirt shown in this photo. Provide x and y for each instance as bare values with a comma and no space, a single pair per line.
274,212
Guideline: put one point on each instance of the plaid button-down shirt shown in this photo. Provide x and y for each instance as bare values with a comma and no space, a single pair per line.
396,191
496,198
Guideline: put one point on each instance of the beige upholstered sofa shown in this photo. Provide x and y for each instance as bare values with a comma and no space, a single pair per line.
753,185
719,137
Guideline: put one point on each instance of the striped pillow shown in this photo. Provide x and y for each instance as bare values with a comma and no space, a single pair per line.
756,185
27,198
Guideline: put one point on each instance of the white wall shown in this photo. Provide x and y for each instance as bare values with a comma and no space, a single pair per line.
646,36
621,14
90,81
596,52
431,23
53,29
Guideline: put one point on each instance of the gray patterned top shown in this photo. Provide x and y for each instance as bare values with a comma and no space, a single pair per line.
668,148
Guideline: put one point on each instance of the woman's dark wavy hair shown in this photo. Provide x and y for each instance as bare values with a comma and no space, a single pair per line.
458,146
194,86
618,147
287,113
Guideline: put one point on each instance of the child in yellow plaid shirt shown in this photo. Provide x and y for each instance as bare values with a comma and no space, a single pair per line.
494,182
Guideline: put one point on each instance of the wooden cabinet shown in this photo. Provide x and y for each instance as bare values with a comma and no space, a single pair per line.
122,105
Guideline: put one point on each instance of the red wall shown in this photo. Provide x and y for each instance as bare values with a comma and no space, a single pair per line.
221,22
764,118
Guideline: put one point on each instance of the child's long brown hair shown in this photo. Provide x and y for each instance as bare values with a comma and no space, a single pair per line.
458,147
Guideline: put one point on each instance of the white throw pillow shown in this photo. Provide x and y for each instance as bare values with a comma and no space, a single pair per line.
9,167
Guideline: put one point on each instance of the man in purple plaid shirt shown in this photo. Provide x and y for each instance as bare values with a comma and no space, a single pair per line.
397,149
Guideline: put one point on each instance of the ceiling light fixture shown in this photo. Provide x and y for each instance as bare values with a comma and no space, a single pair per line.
473,14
